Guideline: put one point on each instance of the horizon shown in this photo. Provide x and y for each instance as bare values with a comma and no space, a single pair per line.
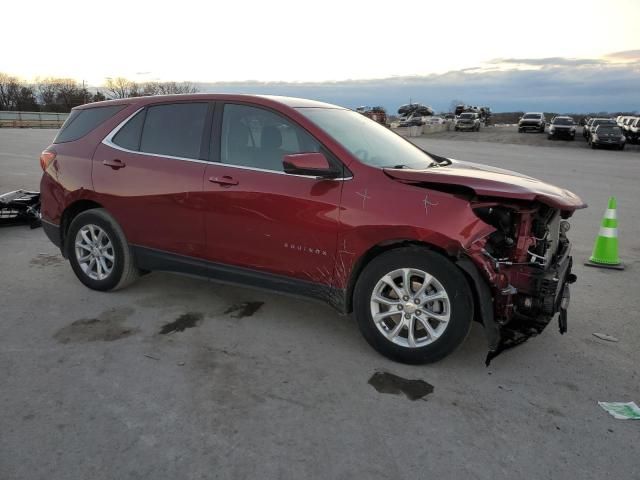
354,54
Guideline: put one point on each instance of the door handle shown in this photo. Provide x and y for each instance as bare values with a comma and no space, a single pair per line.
115,163
225,181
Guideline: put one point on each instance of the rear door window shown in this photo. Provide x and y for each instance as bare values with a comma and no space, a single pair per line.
174,130
81,122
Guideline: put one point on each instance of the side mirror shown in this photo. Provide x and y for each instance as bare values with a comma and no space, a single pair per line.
312,164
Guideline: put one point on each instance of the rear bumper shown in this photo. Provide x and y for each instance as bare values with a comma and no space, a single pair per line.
53,233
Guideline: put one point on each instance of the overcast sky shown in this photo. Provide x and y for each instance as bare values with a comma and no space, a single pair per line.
298,41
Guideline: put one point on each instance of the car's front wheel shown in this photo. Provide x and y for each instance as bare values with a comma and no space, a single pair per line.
413,305
98,251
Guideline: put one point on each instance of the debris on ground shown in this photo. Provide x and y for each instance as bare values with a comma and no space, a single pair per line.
604,336
20,207
621,410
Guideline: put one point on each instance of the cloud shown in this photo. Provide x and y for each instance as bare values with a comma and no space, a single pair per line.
562,85
632,55
549,61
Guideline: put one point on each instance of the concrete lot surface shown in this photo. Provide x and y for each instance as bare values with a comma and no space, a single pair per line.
265,386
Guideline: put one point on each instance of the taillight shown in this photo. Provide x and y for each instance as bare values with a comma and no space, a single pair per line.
46,157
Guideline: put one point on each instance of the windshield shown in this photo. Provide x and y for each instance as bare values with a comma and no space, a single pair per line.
608,129
532,115
372,143
467,115
562,121
603,121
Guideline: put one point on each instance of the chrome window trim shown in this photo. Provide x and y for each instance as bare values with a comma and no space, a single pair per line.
108,141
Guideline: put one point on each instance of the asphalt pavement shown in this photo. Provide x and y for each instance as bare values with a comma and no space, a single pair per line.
179,377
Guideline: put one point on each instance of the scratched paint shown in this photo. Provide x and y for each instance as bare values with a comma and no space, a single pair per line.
365,196
428,203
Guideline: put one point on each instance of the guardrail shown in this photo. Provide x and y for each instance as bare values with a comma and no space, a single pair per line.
9,119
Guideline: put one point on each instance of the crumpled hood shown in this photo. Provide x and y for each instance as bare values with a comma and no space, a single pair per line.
489,181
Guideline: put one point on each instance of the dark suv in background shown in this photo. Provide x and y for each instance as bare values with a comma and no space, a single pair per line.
607,135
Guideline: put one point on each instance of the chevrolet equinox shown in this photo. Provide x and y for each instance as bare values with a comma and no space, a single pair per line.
311,199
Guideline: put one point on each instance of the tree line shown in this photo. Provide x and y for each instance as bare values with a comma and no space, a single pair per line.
50,94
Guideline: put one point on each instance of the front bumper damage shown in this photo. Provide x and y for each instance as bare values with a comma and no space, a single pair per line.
520,293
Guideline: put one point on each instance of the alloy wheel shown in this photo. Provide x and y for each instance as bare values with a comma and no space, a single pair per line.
410,307
94,252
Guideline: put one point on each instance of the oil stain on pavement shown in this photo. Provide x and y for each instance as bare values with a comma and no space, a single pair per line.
184,321
106,327
45,260
385,382
245,309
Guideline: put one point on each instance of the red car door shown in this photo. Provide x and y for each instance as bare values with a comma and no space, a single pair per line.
259,217
148,175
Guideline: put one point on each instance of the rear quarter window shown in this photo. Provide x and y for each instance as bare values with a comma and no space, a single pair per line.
129,135
81,122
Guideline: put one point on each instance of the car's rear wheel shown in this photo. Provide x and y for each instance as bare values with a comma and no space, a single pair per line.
98,251
413,305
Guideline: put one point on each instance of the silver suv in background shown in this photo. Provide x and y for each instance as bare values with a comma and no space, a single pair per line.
562,127
634,131
468,121
532,121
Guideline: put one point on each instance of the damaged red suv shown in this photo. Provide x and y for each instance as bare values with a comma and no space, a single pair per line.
311,199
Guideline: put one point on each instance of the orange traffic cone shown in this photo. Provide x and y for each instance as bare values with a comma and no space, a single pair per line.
605,248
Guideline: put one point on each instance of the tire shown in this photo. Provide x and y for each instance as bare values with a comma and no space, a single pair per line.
123,270
592,145
549,137
520,130
621,147
428,346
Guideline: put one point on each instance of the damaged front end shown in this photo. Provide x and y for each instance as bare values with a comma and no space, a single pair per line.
527,263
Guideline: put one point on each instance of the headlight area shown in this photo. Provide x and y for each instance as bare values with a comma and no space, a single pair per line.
526,262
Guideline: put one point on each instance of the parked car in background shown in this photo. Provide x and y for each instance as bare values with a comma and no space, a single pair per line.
593,123
532,121
413,120
626,126
607,135
562,127
436,121
377,114
301,197
634,131
468,121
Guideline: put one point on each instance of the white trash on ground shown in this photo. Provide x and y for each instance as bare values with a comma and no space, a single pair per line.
622,411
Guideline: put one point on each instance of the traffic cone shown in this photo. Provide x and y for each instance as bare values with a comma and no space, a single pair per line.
605,248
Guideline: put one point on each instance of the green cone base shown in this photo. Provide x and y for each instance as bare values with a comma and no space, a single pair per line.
610,266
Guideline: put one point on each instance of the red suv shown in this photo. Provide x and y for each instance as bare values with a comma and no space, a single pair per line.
312,199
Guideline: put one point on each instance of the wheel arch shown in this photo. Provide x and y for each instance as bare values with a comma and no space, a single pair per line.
71,212
377,250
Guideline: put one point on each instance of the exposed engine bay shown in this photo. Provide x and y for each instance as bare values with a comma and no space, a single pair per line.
527,263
